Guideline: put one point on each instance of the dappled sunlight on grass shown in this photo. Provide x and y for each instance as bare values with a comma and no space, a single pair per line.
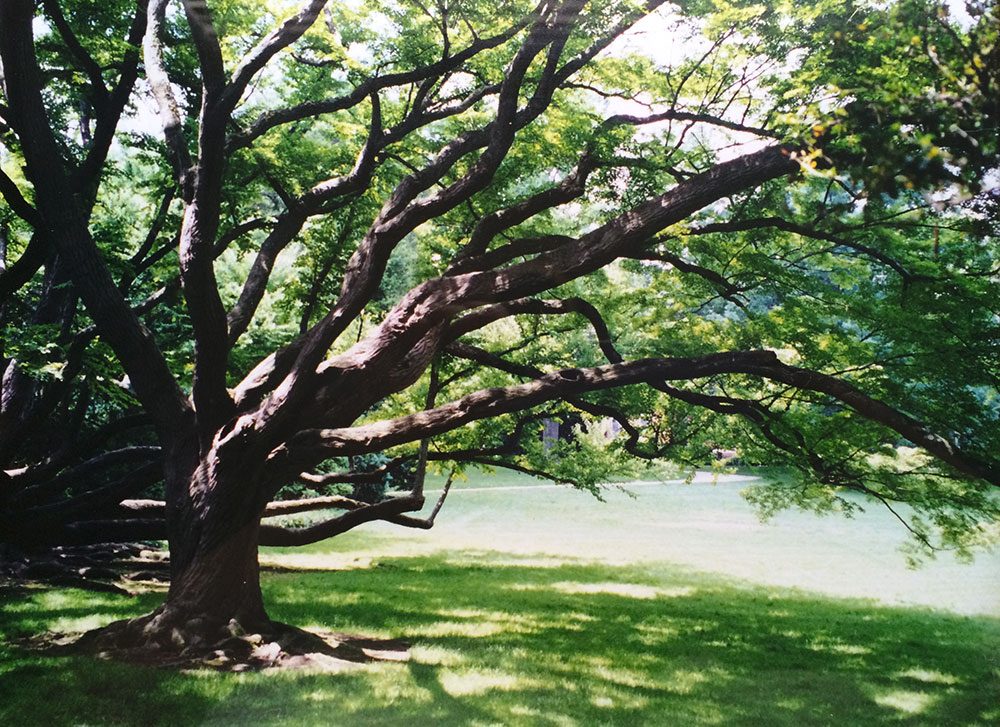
904,701
465,682
33,610
924,675
592,644
627,590
515,644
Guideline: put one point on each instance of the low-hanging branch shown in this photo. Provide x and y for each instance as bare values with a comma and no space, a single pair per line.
385,510
320,443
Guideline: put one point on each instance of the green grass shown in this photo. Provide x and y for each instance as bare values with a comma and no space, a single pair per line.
540,606
502,642
702,526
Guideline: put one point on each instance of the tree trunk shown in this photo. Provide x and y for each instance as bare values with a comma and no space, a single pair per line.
214,614
221,582
214,594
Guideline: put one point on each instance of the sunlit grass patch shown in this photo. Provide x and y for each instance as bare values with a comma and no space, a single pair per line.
461,683
37,609
498,643
926,675
905,701
529,639
626,590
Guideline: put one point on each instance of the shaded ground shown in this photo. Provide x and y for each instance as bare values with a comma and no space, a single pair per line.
542,607
510,642
122,568
133,569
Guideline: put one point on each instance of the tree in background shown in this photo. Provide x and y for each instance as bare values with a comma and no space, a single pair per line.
416,230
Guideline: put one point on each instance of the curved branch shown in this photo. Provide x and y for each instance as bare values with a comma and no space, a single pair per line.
90,67
474,257
485,316
282,37
724,288
169,110
415,324
385,510
778,223
485,358
22,269
15,200
568,382
272,119
291,223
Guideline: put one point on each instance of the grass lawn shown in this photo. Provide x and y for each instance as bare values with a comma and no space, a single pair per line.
564,619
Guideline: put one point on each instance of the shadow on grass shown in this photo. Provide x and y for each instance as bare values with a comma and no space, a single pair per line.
70,690
501,643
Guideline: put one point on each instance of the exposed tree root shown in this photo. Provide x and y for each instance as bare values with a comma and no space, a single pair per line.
105,568
169,639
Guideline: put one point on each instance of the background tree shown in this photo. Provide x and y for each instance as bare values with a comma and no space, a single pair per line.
415,230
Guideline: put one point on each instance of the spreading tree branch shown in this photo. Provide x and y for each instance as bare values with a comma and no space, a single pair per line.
569,382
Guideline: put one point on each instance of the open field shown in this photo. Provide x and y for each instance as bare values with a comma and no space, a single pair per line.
541,606
705,526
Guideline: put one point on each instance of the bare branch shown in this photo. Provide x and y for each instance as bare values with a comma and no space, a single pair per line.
169,109
282,37
291,507
428,522
274,535
570,382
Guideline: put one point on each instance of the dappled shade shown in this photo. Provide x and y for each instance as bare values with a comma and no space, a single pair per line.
495,641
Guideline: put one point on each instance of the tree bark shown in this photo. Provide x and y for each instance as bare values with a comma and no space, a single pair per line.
214,594
221,582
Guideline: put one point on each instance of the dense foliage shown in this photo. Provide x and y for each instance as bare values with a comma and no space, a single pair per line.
244,244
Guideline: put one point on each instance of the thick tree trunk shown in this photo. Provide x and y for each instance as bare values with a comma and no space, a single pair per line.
214,613
214,594
214,606
221,582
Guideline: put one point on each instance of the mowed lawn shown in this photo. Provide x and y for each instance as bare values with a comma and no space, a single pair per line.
705,526
541,606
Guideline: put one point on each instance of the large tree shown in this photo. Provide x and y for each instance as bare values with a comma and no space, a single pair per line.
418,229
